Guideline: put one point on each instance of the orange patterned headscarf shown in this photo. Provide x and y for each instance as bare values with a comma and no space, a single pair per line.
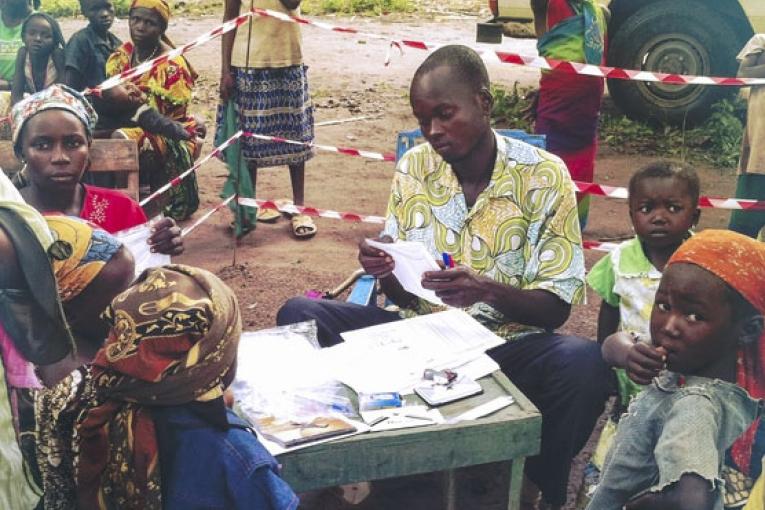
740,262
173,341
159,6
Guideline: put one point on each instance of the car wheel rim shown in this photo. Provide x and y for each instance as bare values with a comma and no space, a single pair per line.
678,54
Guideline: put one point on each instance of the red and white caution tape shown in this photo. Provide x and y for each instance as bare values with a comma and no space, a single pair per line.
329,148
599,246
536,61
311,211
177,180
337,215
206,216
591,188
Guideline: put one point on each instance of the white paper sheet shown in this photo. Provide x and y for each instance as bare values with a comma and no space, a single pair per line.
402,418
411,259
135,240
276,449
393,356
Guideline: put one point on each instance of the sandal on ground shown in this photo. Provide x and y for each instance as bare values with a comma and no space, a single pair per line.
303,226
268,215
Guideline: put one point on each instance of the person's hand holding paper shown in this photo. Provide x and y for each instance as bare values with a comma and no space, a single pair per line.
374,259
460,286
407,261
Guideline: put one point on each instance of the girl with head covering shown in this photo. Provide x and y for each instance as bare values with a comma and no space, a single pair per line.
152,430
168,89
706,327
40,62
52,133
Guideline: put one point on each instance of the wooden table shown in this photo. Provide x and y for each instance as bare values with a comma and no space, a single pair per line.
511,434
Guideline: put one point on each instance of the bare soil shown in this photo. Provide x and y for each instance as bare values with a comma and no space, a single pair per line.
348,79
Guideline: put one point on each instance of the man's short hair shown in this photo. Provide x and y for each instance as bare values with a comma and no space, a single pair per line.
463,61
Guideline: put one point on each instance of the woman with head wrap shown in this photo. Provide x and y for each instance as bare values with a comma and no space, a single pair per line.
168,88
153,431
52,132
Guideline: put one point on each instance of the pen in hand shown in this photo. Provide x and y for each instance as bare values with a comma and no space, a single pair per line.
448,260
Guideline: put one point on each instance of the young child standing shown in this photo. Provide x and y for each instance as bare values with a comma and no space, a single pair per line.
706,328
663,207
40,62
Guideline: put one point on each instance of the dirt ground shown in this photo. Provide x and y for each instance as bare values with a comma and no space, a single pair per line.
347,78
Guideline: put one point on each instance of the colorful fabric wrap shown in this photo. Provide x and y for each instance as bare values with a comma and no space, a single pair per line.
58,97
740,262
173,341
161,7
83,253
581,35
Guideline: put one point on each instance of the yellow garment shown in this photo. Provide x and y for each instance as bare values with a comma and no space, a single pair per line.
10,198
757,496
75,272
273,43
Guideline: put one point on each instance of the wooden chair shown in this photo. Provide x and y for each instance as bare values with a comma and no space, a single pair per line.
106,155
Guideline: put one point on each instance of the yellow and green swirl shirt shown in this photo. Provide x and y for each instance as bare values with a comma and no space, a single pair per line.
523,229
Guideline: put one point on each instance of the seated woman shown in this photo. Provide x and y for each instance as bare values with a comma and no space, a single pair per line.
52,132
90,268
168,89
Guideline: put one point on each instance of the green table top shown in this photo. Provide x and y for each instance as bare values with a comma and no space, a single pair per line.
511,433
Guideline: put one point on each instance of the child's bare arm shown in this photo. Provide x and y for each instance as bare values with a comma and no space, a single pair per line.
608,320
752,66
690,492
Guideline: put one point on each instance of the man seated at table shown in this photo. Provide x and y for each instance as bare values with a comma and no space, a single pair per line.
506,212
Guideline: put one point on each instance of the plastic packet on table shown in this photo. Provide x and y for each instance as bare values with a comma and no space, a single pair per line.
279,373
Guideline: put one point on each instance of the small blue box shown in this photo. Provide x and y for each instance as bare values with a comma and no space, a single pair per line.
372,401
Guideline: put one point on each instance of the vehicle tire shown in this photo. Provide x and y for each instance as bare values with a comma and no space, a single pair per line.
681,37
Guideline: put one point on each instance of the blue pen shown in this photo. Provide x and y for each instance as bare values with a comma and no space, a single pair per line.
447,260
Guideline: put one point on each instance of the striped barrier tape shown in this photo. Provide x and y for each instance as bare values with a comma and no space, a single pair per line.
177,180
336,215
206,216
536,61
587,188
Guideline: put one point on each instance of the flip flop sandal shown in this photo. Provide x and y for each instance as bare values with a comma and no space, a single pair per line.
268,215
303,226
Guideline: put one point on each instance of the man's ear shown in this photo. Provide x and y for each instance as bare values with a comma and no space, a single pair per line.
751,329
486,100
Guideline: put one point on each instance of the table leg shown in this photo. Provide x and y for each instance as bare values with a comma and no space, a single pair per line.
450,489
516,482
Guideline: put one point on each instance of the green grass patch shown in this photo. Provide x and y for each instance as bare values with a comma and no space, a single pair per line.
59,8
717,141
365,7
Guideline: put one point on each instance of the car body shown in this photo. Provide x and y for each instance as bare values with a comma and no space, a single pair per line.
698,37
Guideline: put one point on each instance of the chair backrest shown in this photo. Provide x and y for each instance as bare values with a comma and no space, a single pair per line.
408,139
110,155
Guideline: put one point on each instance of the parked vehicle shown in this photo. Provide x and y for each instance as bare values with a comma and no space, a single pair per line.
698,37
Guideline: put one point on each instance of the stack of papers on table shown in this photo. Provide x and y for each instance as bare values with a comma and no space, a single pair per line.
393,356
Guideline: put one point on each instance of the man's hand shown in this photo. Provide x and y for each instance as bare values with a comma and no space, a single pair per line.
644,362
374,261
458,287
227,85
166,237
